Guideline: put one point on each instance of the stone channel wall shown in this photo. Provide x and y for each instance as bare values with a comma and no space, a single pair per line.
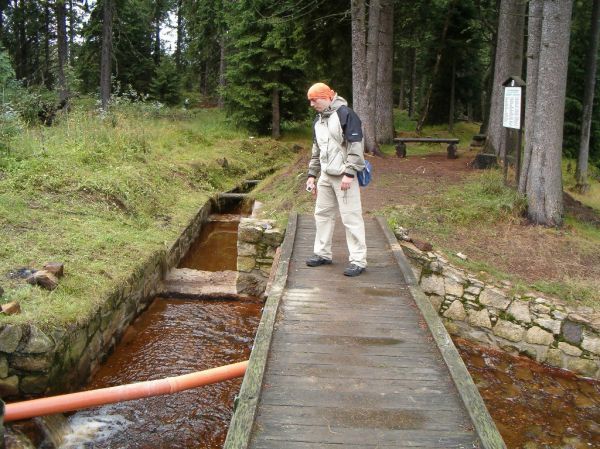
36,361
257,245
547,330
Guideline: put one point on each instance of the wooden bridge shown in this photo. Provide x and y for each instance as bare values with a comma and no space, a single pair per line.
354,363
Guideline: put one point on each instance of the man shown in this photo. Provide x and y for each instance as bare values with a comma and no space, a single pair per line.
337,155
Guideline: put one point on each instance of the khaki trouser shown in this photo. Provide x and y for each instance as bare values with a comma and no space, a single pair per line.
330,199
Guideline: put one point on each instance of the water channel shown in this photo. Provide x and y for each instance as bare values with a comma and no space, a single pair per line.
534,407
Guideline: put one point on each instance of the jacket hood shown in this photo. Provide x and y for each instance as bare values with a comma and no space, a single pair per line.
336,103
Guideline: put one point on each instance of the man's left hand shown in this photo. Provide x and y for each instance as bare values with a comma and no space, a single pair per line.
346,182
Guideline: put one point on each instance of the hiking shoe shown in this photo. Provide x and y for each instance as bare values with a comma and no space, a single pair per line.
315,261
353,270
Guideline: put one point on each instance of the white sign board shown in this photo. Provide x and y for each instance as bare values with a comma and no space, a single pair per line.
512,108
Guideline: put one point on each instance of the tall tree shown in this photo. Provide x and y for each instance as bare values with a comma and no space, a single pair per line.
544,182
62,46
384,128
588,101
107,50
509,62
534,36
359,56
374,24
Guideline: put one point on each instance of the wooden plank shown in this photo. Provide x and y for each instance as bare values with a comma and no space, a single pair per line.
240,427
484,425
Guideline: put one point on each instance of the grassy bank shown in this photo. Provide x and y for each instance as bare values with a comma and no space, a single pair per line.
102,194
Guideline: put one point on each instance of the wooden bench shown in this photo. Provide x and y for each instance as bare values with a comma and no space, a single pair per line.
401,144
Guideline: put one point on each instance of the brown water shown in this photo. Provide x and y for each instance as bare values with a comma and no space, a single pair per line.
172,337
534,406
215,249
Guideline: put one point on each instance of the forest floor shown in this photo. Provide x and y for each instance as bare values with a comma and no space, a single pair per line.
459,209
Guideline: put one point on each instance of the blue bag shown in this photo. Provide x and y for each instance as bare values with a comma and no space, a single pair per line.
364,176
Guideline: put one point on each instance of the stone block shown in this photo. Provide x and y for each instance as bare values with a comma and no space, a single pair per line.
78,343
508,330
554,358
572,332
453,287
273,237
433,284
436,301
520,311
9,386
33,363
38,342
549,324
493,297
245,264
584,367
537,336
245,249
568,349
456,311
591,343
473,290
479,318
3,367
10,336
248,232
34,384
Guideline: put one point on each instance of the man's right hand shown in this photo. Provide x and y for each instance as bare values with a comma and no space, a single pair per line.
311,186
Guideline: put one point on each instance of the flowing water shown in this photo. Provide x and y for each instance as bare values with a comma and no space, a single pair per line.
534,406
172,337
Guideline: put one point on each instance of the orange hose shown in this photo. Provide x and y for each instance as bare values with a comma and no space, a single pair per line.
92,398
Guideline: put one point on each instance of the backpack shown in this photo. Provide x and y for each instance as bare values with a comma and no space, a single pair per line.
364,176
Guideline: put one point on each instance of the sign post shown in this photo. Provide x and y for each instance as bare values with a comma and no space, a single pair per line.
512,118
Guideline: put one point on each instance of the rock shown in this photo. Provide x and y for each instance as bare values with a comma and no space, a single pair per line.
11,308
508,330
461,256
56,268
452,287
520,311
554,357
38,342
273,237
44,279
38,362
34,384
456,311
582,366
9,386
495,298
245,264
10,336
480,318
568,349
591,343
3,367
572,332
423,246
549,324
402,234
537,336
246,249
436,302
433,284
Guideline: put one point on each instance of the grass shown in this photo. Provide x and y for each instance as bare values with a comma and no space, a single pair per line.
105,194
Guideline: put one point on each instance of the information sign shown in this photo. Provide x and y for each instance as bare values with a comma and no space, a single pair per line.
512,108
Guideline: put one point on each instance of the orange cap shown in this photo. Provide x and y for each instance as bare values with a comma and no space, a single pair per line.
320,90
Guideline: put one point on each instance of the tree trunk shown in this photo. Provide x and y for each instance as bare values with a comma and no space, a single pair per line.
61,30
157,39
71,33
544,183
359,58
401,85
509,62
384,118
436,68
452,97
588,101
222,71
106,58
179,34
47,74
413,84
534,36
372,68
276,130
